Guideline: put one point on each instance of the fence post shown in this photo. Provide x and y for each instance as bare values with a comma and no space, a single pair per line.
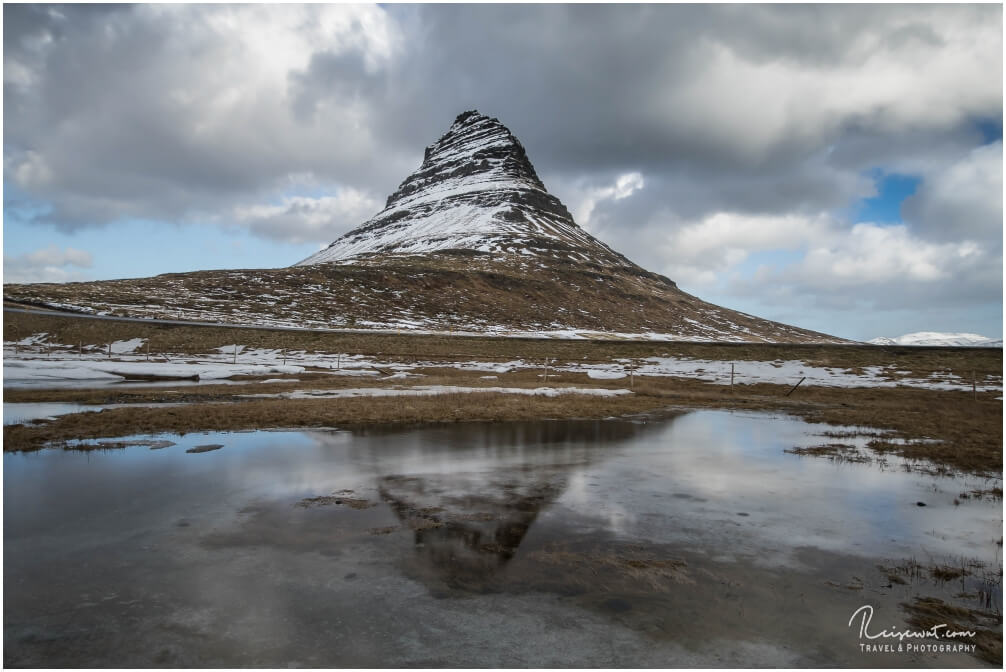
80,349
974,384
546,370
109,350
796,386
632,378
235,353
731,374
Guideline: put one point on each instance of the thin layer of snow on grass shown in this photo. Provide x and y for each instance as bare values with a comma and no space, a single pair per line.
433,390
783,372
54,370
605,374
126,347
65,363
34,339
28,370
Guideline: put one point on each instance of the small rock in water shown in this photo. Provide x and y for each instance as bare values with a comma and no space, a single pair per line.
617,605
920,503
205,449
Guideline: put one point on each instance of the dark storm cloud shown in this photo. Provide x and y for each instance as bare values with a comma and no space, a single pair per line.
591,91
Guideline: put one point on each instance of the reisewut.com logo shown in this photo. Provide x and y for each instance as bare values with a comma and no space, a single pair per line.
936,639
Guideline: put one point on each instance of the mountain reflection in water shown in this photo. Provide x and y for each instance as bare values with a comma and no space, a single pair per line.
468,525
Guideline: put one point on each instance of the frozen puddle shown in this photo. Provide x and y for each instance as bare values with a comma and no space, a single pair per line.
689,541
19,413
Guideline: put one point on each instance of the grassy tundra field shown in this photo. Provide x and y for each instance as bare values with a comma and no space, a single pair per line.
944,429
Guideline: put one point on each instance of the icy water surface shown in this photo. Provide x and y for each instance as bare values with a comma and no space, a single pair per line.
692,540
19,413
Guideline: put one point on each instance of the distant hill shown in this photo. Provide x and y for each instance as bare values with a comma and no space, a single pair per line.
931,338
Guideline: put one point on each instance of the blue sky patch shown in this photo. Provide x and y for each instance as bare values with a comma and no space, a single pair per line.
885,207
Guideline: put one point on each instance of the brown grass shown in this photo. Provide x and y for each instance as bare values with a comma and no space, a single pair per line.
926,612
837,452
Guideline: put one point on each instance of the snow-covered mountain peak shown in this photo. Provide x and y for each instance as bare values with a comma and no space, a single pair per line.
475,191
935,338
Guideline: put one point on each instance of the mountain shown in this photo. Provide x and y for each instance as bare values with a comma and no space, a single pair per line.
931,338
476,191
471,241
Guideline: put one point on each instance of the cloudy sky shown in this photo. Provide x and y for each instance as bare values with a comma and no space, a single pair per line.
834,167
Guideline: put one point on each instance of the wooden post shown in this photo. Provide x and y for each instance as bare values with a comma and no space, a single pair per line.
974,384
109,350
284,356
338,361
80,349
235,353
731,374
632,379
796,386
148,349
546,369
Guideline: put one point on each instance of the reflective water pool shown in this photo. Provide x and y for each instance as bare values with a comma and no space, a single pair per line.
689,540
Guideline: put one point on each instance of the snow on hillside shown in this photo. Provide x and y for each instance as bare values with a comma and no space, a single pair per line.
935,338
62,365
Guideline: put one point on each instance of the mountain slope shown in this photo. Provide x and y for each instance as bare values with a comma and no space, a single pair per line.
471,241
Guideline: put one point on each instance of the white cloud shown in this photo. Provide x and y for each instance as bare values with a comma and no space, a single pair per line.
588,198
299,219
49,264
699,253
962,200
923,68
876,255
818,260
